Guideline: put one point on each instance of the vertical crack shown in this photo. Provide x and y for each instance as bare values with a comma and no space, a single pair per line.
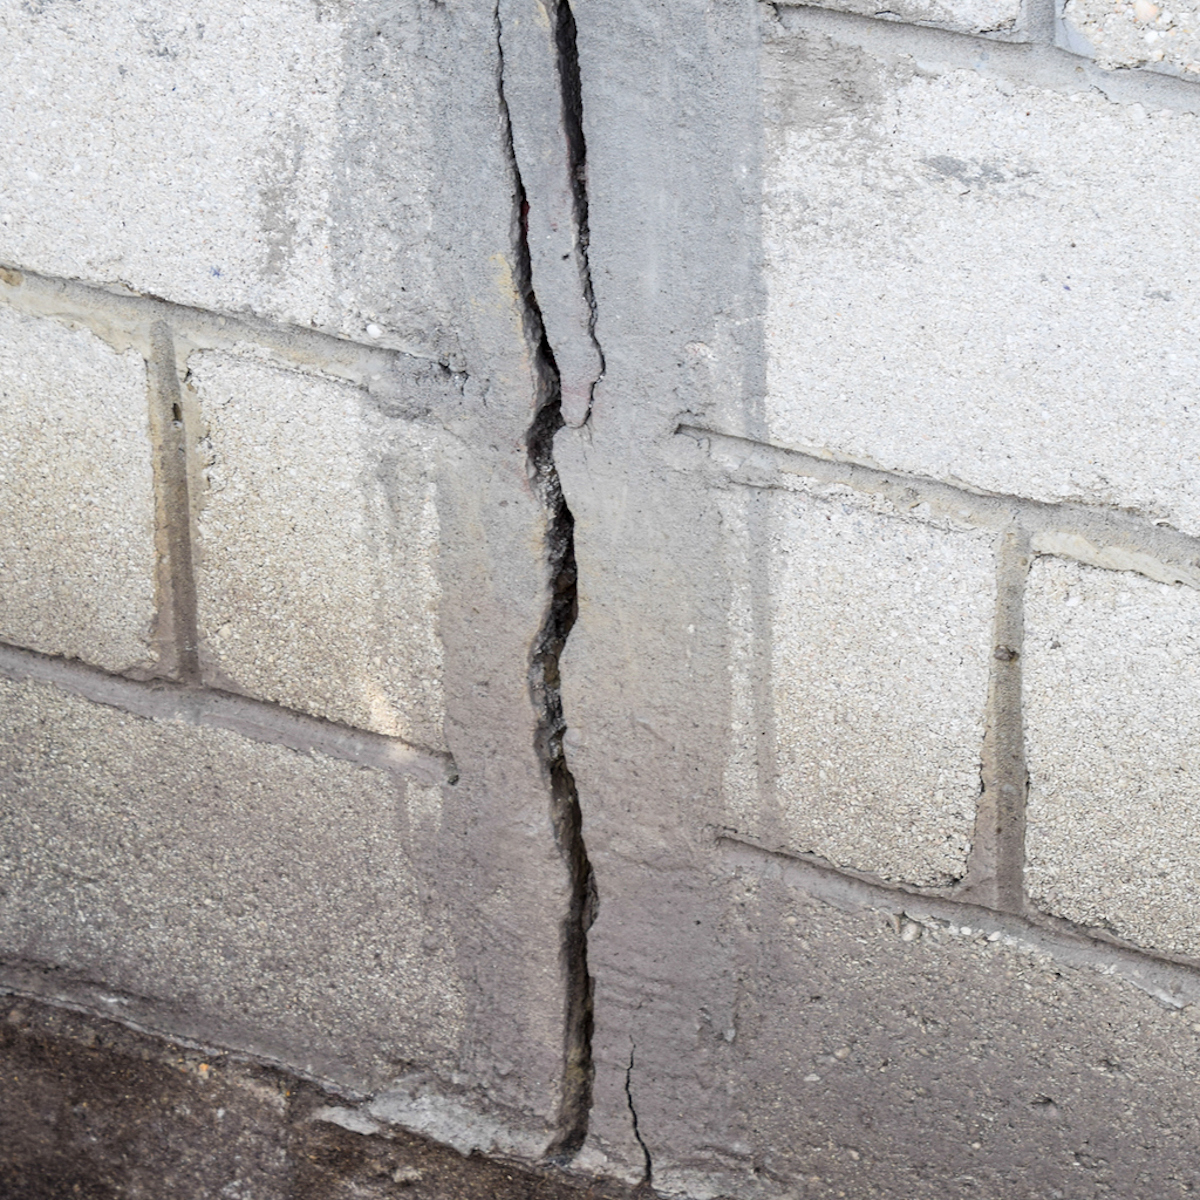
544,678
566,42
647,1177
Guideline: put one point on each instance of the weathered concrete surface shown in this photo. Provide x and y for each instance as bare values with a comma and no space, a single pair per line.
77,549
1048,349
1112,691
1135,34
196,869
91,1109
963,16
317,542
875,636
288,159
346,167
866,1055
707,1020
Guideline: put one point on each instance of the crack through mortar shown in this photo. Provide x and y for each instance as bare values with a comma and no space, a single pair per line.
544,679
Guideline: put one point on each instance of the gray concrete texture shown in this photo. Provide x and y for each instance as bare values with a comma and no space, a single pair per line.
1049,349
344,167
317,539
865,240
974,16
283,158
750,1039
77,541
244,908
875,639
1112,678
1137,34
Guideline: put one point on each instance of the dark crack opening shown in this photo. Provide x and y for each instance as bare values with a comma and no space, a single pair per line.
544,676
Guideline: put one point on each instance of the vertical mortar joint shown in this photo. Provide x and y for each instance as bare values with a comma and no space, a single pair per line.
177,624
996,870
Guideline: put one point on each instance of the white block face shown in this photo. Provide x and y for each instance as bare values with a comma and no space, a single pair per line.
979,283
200,152
77,551
878,632
317,533
1112,711
1136,34
272,889
963,16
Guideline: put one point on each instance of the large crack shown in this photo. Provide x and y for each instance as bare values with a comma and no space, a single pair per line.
565,38
544,677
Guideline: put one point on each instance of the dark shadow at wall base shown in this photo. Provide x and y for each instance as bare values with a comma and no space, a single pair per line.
90,1109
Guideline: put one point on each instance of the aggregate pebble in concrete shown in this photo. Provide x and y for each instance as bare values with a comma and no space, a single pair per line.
1050,348
963,16
269,895
879,635
1134,33
317,549
1112,711
77,552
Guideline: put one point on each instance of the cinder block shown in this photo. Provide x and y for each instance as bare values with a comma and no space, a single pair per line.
963,16
77,551
269,895
317,548
1133,33
1047,347
1112,711
847,1051
286,157
875,637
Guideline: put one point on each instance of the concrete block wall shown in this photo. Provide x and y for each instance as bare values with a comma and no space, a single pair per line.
616,585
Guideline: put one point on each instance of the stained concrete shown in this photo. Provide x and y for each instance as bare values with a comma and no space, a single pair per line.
1112,672
942,1063
77,550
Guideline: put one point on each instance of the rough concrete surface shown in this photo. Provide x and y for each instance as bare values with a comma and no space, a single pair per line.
92,1110
1119,34
1112,693
287,158
973,16
254,888
1048,349
876,635
872,1058
317,546
77,549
